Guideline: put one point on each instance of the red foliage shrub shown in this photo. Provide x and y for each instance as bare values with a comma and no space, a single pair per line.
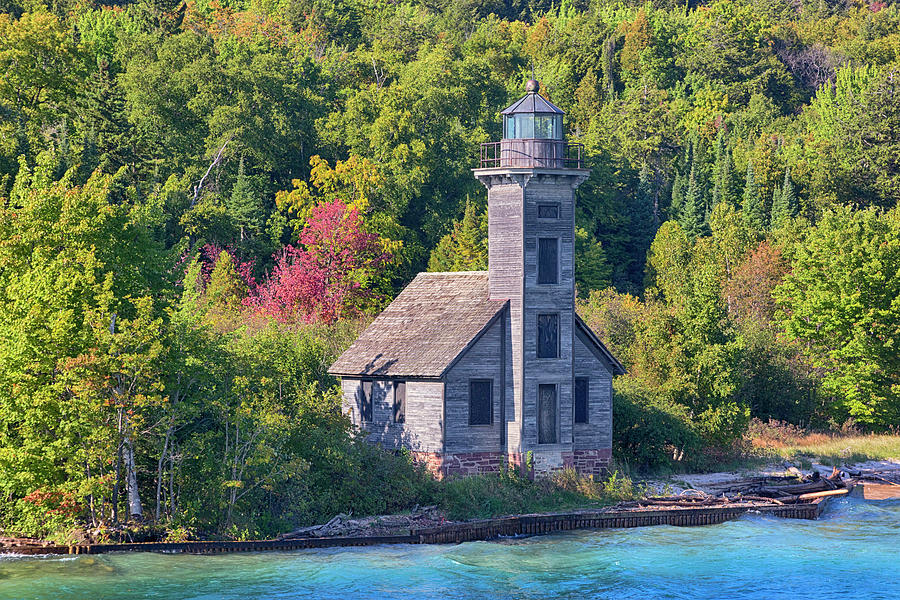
326,277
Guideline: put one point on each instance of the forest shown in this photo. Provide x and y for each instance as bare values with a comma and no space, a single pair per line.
202,202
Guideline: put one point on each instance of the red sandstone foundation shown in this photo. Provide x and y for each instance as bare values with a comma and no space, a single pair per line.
585,462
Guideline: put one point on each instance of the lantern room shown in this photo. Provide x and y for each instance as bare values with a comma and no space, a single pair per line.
533,136
533,117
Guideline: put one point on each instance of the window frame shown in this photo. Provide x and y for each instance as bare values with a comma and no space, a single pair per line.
399,405
543,205
490,401
365,400
555,388
539,278
586,381
538,346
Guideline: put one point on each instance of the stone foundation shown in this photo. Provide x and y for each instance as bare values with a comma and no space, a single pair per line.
472,463
586,462
592,462
433,462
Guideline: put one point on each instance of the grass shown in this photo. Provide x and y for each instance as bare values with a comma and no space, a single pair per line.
781,441
506,493
842,450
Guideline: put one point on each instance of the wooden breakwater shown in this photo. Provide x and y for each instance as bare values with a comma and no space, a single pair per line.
455,533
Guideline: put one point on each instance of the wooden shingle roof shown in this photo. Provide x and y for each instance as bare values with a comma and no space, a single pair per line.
425,329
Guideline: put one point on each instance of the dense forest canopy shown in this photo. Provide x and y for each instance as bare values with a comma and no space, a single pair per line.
201,201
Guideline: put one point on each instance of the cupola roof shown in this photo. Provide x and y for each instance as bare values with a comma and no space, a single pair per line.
533,102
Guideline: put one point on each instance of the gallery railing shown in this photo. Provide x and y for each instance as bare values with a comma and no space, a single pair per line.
532,153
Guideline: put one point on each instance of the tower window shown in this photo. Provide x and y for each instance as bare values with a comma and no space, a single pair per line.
548,260
582,387
480,402
547,413
399,401
548,211
548,336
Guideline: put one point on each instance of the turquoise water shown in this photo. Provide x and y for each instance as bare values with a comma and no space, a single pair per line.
852,552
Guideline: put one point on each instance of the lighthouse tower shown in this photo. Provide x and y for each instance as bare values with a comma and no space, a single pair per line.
531,176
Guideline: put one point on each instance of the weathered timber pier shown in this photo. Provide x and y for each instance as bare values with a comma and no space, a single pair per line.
455,533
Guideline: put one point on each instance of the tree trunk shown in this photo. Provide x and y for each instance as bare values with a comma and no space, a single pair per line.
172,482
159,468
117,486
134,497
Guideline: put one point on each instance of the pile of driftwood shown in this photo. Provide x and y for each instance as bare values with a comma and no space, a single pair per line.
345,525
763,490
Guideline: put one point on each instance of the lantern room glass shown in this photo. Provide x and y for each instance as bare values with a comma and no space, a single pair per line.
532,126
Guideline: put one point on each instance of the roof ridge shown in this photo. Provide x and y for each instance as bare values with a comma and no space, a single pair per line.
481,272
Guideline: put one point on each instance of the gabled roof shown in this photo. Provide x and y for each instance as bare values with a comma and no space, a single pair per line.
533,102
425,329
617,367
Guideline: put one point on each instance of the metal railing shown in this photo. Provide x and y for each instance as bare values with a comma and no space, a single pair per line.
532,153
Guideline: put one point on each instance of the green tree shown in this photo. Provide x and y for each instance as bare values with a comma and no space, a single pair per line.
679,192
592,269
784,202
225,289
78,334
465,248
752,206
840,300
723,174
693,213
244,206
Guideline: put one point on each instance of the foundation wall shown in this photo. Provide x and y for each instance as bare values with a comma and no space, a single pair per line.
585,462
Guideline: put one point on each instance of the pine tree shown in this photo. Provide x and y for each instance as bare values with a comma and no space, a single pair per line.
679,186
692,218
786,205
788,197
643,216
225,287
472,240
465,248
592,268
753,208
723,169
103,106
244,206
607,65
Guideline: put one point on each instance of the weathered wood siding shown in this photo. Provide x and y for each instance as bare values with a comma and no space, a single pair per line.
506,276
597,433
549,298
514,230
484,360
423,427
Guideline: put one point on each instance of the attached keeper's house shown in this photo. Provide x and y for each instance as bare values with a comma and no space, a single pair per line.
471,370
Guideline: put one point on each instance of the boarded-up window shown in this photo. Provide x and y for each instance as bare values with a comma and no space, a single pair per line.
364,401
548,260
548,211
548,336
582,387
480,402
399,401
547,414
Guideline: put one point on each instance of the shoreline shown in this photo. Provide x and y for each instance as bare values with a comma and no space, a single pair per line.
614,517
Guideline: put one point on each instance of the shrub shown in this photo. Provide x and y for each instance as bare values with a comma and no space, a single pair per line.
648,432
